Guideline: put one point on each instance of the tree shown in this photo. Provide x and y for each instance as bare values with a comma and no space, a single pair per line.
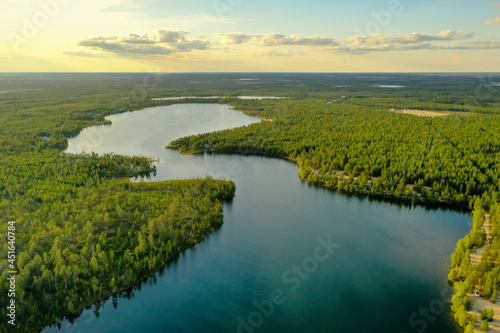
461,316
484,326
491,314
469,328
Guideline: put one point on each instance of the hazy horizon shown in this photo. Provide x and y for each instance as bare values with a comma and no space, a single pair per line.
397,36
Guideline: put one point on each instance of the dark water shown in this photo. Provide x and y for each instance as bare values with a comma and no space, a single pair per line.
267,269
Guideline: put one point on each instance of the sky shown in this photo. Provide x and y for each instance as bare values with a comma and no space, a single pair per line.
249,36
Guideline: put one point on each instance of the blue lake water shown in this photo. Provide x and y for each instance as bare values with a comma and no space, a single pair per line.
290,257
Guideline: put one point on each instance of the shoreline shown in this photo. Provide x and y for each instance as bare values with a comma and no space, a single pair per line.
415,198
478,303
105,296
382,196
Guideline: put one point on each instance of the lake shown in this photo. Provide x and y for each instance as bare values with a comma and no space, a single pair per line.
290,257
211,97
389,86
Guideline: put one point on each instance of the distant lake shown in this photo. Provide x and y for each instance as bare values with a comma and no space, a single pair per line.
210,97
389,86
290,257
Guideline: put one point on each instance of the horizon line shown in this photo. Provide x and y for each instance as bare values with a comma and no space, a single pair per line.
261,72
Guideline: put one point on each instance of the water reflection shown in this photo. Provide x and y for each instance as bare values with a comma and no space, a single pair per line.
393,259
94,311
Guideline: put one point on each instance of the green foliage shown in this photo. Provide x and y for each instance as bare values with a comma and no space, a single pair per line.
467,276
376,152
486,314
469,328
460,303
484,326
84,231
460,267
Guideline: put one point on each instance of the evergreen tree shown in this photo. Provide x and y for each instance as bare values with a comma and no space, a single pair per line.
484,326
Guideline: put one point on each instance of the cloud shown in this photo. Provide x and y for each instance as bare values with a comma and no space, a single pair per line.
483,44
272,39
233,38
136,39
165,42
276,53
190,45
164,36
411,41
83,54
452,35
124,48
162,42
495,20
354,44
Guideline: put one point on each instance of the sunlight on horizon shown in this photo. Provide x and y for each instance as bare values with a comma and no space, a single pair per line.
244,36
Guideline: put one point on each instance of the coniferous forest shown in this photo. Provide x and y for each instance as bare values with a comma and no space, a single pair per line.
85,232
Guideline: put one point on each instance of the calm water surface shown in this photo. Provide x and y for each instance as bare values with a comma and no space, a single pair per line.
389,262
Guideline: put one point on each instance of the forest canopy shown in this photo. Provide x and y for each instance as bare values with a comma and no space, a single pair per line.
84,231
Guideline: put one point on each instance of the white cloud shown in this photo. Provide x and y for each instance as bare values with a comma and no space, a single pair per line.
272,39
162,42
483,44
495,20
354,44
453,35
411,41
84,54
233,38
163,36
276,53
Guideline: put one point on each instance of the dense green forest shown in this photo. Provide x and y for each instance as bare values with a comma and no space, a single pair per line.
372,151
84,231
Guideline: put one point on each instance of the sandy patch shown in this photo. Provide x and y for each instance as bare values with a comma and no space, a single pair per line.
479,303
422,113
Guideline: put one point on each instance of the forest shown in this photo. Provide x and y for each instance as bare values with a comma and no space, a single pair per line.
372,151
84,231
